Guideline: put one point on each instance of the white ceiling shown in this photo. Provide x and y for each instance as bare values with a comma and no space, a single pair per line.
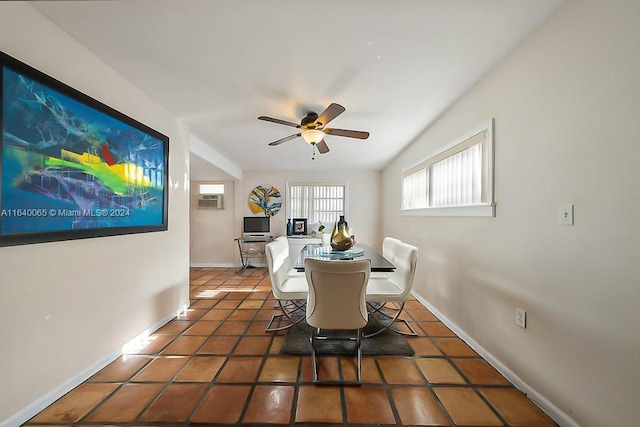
219,64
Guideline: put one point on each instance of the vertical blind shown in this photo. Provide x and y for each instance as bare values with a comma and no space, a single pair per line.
455,177
415,188
317,203
457,180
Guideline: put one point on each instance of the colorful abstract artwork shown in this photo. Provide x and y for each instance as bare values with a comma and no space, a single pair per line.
265,200
73,167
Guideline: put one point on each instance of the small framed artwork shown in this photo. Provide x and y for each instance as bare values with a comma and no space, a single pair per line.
300,226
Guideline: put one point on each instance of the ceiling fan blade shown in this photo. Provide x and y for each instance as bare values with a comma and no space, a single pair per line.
279,121
285,139
330,113
348,133
322,147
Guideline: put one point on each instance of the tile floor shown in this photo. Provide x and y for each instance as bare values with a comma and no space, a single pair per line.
215,364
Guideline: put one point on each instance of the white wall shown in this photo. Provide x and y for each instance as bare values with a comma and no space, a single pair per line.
212,230
212,233
567,128
362,212
66,306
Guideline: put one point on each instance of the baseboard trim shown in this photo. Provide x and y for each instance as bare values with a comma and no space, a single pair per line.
210,265
37,406
543,403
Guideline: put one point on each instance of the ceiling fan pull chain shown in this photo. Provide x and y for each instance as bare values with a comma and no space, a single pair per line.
313,156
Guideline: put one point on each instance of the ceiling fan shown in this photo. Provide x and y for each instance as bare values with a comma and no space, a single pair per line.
313,128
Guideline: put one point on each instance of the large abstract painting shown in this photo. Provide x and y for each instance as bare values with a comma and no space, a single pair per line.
73,167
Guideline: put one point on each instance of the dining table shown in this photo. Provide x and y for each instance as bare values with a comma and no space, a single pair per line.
359,251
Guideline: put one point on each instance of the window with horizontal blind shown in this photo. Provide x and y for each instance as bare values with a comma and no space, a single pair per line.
317,202
455,181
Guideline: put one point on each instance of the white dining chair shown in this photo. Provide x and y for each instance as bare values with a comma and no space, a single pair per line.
289,292
388,246
395,289
336,301
284,246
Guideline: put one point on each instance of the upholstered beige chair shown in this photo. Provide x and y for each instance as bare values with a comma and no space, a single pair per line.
336,301
289,292
394,289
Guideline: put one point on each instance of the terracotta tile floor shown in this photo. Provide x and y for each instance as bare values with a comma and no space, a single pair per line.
215,364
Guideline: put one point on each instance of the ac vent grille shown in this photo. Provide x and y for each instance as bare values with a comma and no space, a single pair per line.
210,201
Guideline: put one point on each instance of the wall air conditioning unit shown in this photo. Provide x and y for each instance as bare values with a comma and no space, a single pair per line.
211,201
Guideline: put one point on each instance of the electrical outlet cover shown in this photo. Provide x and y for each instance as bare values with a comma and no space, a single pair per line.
566,215
521,318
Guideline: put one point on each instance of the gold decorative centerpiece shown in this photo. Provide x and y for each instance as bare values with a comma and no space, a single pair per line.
341,237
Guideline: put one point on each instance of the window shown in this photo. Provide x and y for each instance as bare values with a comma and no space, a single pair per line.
211,189
317,202
456,181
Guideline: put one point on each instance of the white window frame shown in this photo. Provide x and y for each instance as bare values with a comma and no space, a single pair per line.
486,208
345,201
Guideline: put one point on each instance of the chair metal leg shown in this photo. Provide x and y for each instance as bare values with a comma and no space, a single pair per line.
376,311
314,362
315,337
287,314
359,349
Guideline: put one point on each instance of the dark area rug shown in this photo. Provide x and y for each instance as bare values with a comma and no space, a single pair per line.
296,341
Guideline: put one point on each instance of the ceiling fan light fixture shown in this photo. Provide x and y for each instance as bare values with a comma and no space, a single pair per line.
313,136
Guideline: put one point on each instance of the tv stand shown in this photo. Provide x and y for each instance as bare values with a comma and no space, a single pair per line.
252,247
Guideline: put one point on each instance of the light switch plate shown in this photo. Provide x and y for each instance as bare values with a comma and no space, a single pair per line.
566,215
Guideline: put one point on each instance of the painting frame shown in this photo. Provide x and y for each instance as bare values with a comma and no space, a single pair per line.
71,166
299,226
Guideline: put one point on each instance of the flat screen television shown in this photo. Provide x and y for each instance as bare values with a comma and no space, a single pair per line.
256,225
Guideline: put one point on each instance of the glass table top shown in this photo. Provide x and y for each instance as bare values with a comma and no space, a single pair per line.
378,262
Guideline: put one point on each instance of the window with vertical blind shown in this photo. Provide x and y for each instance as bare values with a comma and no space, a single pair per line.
455,181
317,202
